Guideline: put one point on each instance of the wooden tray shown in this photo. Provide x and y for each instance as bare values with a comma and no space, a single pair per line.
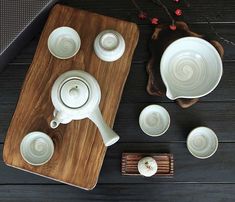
79,150
165,163
161,39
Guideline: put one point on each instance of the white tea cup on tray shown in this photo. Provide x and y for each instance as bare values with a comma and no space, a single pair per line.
64,42
36,148
109,45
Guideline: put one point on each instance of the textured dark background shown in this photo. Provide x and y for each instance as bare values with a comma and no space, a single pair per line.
195,180
20,20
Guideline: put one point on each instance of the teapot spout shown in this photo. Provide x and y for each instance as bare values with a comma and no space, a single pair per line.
59,118
54,123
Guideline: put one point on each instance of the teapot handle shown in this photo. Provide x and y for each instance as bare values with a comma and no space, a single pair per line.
108,135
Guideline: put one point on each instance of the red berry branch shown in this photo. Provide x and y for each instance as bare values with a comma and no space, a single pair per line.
154,20
159,2
178,12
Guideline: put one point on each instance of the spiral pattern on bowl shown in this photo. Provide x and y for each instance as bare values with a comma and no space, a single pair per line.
202,142
36,148
65,45
187,71
190,68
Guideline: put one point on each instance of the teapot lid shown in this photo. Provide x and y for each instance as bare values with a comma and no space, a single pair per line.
74,93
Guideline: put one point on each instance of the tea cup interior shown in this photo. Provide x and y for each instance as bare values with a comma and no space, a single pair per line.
37,148
154,120
202,142
64,42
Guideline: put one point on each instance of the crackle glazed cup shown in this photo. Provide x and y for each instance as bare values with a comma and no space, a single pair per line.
190,68
154,120
64,42
37,148
202,142
109,45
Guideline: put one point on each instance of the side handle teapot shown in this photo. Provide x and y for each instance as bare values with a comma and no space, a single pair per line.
76,95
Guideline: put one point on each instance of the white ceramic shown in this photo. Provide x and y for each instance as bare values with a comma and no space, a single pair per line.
154,120
147,166
64,42
37,148
190,68
76,95
202,142
109,45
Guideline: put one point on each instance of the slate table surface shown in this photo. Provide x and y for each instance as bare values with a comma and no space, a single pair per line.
195,180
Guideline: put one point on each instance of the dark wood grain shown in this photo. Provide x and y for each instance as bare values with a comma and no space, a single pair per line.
219,11
134,92
187,169
163,192
219,116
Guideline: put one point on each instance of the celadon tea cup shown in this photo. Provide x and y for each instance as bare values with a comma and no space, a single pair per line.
36,148
202,142
64,42
154,120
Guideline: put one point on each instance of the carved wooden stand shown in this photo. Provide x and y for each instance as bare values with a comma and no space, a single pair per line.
164,161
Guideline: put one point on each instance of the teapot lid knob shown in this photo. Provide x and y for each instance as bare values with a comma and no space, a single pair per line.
74,93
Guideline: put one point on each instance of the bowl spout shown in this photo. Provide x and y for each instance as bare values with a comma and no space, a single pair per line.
171,95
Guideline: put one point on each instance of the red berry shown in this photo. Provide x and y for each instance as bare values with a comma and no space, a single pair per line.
154,21
177,1
142,15
178,12
172,27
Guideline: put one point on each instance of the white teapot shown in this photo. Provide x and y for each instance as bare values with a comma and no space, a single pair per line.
76,95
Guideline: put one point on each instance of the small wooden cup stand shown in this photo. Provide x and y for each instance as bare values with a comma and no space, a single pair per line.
164,161
161,39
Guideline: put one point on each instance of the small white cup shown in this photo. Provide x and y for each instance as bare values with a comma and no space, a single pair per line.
64,42
154,120
109,45
202,142
37,148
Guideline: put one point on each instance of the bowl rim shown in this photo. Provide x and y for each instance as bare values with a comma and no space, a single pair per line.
206,44
216,146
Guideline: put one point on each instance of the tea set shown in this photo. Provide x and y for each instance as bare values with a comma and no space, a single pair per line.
190,68
75,94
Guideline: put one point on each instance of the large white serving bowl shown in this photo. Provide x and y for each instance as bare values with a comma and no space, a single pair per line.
190,68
